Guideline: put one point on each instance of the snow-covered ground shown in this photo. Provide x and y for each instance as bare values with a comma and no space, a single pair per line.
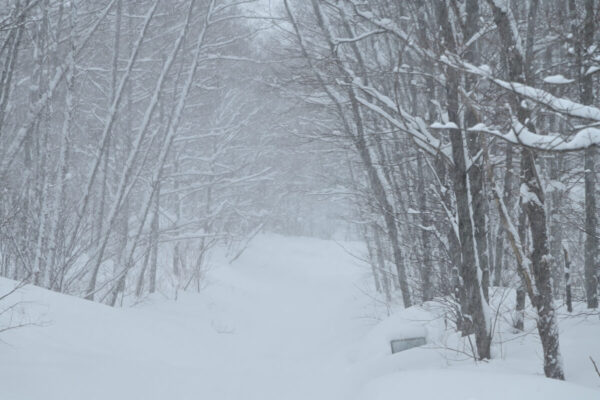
293,318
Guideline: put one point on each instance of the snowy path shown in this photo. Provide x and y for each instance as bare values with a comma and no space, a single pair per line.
293,325
281,323
287,321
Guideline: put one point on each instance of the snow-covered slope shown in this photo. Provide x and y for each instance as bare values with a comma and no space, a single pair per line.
291,319
277,324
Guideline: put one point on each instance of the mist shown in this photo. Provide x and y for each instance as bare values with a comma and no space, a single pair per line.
394,161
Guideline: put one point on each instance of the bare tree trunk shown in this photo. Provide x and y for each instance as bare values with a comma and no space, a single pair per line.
427,268
372,260
556,227
101,201
568,280
508,178
591,257
547,325
474,307
63,163
6,79
41,143
476,176
519,319
154,242
385,278
543,299
139,288
176,251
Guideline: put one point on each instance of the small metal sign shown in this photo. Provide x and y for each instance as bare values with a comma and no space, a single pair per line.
399,345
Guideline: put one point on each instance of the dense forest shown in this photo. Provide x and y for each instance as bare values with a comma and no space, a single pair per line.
456,138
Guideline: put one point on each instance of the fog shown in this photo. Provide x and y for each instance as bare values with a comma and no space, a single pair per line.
143,143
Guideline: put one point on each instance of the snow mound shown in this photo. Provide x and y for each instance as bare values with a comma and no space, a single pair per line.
405,324
463,385
444,368
278,323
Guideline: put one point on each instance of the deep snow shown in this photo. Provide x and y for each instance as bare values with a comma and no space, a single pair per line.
293,318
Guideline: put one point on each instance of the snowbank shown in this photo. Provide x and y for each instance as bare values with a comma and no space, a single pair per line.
463,385
292,318
445,369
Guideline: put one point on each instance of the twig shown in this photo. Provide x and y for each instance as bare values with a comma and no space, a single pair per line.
595,366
